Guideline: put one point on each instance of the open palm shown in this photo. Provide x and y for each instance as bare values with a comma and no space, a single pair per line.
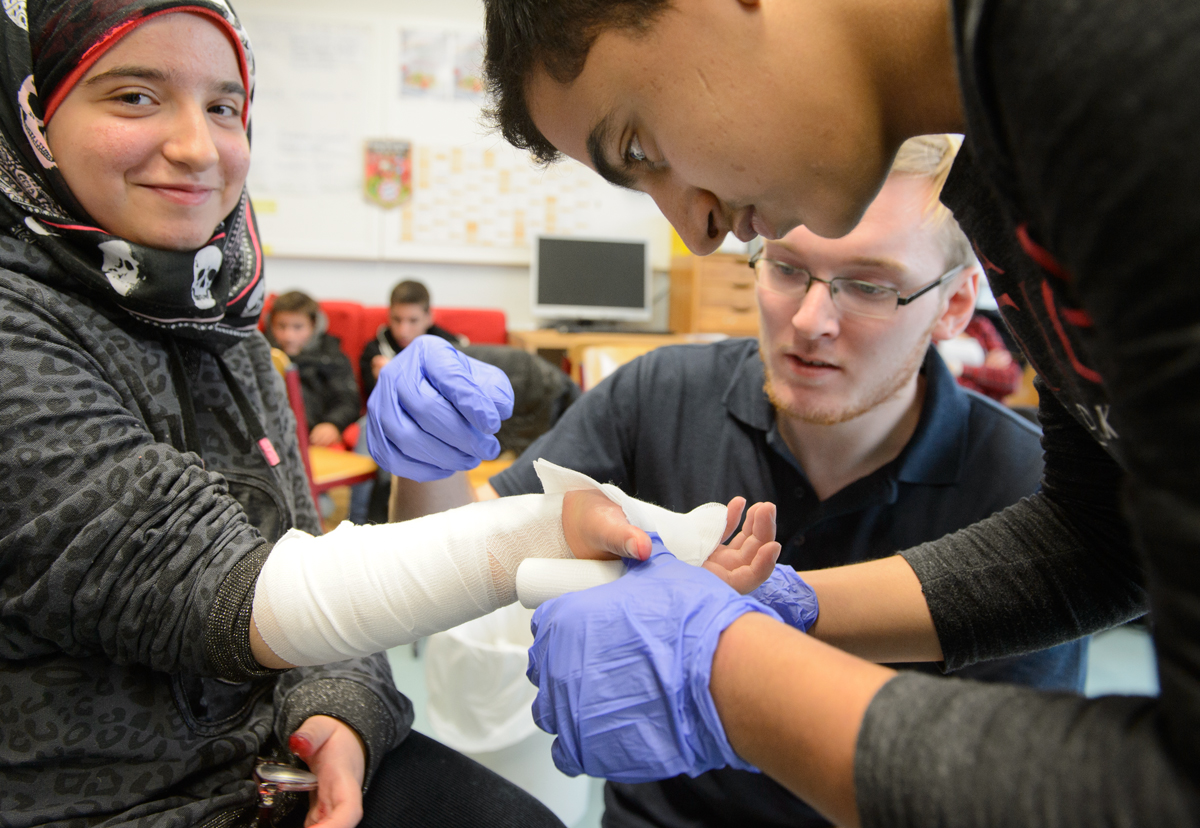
747,560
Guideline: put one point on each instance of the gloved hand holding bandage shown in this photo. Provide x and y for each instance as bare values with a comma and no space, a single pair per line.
745,563
362,589
623,673
691,537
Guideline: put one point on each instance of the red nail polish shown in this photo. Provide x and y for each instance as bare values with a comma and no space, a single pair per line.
300,745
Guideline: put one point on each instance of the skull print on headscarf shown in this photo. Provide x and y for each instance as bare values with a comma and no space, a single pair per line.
212,295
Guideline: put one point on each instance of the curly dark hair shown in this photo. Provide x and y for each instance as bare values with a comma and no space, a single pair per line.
555,35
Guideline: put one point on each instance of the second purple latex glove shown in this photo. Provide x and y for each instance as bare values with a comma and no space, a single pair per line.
435,410
790,596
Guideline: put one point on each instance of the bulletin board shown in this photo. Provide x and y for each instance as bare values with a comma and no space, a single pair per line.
328,86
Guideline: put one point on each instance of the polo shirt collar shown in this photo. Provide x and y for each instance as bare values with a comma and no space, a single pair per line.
745,398
935,453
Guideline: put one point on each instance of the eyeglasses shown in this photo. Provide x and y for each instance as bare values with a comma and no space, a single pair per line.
848,295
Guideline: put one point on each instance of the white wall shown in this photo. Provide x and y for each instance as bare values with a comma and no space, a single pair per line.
498,286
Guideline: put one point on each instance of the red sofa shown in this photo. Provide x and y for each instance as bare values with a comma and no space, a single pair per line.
355,324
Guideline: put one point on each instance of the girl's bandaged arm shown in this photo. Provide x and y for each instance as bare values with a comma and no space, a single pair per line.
363,589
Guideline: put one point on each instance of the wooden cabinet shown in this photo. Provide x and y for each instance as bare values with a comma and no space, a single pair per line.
557,346
713,294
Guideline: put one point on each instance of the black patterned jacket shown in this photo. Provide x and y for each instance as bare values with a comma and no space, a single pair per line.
128,693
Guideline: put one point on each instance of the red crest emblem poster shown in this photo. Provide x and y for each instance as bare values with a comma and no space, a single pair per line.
387,172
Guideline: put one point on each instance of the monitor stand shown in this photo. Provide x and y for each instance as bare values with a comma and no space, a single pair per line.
587,326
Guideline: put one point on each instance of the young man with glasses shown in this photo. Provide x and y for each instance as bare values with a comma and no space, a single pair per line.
841,413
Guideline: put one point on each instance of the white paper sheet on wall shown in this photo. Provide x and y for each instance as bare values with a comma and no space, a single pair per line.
426,67
468,67
326,86
314,95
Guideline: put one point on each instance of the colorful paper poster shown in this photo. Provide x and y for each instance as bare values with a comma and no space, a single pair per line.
387,172
425,67
468,67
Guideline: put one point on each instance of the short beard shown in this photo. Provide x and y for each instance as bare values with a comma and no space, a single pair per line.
885,392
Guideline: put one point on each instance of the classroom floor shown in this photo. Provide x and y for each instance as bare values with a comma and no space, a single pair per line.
1119,661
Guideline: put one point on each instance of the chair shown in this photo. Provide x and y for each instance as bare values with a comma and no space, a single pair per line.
1026,396
482,326
598,361
324,467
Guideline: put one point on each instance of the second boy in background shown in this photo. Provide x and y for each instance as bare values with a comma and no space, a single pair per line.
409,316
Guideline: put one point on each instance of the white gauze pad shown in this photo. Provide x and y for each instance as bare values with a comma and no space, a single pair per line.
362,589
691,537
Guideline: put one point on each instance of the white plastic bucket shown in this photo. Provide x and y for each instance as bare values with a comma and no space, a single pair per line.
479,704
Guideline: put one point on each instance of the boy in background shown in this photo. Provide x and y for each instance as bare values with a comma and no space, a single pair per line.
331,402
408,318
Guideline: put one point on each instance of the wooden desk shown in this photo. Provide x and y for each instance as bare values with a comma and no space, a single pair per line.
555,345
1026,395
479,475
331,467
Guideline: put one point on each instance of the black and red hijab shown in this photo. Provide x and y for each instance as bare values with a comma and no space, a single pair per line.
213,294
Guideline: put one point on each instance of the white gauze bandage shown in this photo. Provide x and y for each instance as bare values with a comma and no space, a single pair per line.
691,537
362,589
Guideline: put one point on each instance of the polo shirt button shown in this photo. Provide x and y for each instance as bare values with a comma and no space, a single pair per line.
799,540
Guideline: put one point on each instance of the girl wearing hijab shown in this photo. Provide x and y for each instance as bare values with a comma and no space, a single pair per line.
159,570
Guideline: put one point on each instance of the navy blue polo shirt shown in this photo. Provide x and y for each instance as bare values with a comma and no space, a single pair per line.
690,424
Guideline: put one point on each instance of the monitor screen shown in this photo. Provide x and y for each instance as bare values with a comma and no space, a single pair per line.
578,278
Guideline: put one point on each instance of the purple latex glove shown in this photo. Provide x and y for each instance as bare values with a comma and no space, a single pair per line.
434,411
622,672
788,594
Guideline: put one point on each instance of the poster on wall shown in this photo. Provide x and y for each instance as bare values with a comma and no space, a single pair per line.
424,63
387,172
468,67
484,195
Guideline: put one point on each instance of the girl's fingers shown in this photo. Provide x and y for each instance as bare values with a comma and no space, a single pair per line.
764,521
733,514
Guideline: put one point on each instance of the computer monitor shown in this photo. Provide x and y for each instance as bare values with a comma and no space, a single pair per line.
586,279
